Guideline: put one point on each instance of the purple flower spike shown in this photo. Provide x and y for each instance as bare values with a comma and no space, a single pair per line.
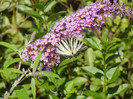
71,26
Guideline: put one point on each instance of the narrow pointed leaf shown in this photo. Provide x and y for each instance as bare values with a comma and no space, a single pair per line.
29,11
55,15
13,70
9,46
49,5
33,88
36,62
9,62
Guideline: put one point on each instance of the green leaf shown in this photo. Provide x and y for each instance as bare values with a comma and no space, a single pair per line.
60,69
4,6
1,70
69,88
9,46
89,57
33,87
30,12
113,73
14,70
94,43
26,24
49,4
34,14
105,38
26,2
50,74
117,20
110,58
115,28
67,61
93,94
117,90
123,2
94,71
53,77
9,62
124,23
80,97
55,81
2,84
109,21
36,62
24,8
53,16
36,1
98,54
52,96
95,84
38,6
114,47
64,62
78,81
47,85
21,93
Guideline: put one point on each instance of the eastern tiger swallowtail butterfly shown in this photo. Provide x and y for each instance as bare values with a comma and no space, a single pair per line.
70,47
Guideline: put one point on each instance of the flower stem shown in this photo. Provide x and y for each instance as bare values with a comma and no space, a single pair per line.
7,94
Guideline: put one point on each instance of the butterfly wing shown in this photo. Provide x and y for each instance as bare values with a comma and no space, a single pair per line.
75,45
82,47
63,48
78,46
70,47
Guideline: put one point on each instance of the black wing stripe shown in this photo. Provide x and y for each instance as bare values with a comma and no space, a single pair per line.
63,44
67,40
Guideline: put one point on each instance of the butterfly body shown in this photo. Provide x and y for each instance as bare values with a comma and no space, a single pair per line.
70,47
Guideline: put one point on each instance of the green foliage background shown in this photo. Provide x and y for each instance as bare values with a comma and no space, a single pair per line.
105,68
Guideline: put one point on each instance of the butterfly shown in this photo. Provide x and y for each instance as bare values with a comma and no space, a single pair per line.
70,47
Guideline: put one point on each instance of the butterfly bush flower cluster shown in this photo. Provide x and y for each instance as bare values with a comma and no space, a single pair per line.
71,26
46,46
